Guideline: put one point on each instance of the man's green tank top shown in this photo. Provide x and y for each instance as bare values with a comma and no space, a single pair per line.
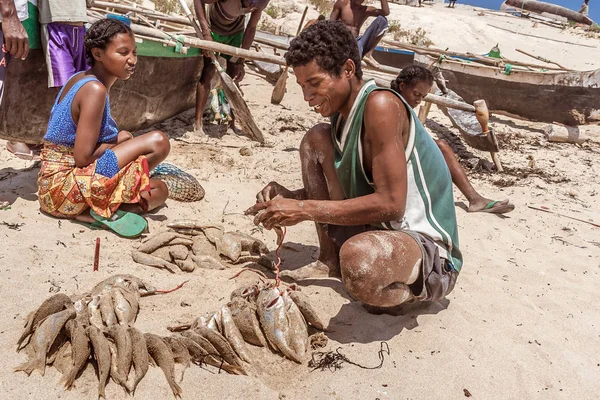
429,200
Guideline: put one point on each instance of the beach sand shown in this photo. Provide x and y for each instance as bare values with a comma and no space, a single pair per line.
521,323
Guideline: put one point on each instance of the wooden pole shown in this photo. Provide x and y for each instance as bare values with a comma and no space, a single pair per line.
541,7
153,14
279,89
540,58
482,114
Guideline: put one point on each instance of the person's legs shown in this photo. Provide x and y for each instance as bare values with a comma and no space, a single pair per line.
202,92
154,145
321,183
476,201
373,36
377,267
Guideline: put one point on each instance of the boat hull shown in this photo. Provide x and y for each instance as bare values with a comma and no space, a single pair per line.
570,98
160,88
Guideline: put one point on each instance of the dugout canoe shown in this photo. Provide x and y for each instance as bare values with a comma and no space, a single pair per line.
163,85
568,97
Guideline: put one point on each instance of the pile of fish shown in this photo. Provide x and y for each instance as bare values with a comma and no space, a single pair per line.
67,332
263,316
190,245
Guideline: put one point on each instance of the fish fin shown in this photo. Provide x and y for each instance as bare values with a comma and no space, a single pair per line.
35,363
27,330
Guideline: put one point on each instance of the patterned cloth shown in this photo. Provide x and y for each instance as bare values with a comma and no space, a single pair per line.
66,190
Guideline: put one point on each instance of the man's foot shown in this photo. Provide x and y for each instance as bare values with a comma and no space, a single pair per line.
370,61
198,129
22,151
491,206
316,269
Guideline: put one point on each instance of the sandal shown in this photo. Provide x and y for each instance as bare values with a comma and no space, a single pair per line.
498,207
123,223
29,156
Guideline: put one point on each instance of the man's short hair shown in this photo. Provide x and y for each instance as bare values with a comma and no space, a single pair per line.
329,43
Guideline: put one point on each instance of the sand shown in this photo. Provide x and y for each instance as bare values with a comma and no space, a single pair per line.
522,321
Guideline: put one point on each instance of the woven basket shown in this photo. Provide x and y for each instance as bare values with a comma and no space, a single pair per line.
182,186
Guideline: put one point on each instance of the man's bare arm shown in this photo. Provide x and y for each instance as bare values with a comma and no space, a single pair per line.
384,120
15,36
337,10
383,11
201,15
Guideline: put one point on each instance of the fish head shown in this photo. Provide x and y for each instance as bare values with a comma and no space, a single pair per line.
269,299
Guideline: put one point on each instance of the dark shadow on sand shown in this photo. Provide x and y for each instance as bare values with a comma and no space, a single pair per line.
355,324
25,188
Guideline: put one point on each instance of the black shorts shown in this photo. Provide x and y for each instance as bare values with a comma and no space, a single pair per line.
437,276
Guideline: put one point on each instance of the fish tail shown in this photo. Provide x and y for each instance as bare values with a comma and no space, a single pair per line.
33,364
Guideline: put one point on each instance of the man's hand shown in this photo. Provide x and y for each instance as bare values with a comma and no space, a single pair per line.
272,190
238,72
278,212
15,37
208,38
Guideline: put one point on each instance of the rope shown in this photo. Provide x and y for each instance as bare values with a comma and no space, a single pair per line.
276,266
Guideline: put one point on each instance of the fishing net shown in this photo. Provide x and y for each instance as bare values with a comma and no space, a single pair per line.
182,186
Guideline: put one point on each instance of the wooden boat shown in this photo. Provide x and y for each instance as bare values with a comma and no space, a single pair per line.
163,85
568,97
393,57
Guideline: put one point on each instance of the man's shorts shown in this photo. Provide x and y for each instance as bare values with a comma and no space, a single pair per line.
234,40
65,51
377,29
437,276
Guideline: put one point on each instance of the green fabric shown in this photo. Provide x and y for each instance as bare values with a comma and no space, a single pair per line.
32,27
234,40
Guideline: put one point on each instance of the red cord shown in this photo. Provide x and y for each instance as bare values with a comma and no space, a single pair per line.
277,280
97,254
172,290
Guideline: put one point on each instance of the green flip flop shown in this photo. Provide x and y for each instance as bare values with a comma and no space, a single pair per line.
497,207
124,223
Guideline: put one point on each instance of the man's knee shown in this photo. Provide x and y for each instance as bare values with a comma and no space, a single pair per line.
318,138
357,260
208,71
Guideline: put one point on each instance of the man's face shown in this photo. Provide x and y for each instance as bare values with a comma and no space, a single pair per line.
325,93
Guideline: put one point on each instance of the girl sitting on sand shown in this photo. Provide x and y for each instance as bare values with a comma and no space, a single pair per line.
413,83
90,171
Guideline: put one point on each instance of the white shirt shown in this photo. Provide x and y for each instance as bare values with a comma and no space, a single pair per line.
22,12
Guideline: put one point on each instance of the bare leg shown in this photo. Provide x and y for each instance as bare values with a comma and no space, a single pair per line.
368,58
321,183
202,92
154,145
378,266
476,201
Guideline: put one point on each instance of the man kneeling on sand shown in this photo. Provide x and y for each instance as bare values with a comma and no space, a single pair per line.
375,183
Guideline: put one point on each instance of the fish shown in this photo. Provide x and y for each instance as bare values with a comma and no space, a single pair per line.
157,241
122,340
133,298
186,265
122,307
250,243
220,344
273,320
309,313
63,358
141,358
233,334
125,280
94,310
50,306
213,323
199,355
163,357
107,309
181,354
114,369
80,348
203,247
42,339
179,252
54,350
244,317
298,333
229,246
151,261
207,262
101,347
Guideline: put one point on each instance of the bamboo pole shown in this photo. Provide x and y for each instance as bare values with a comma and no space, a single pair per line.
140,10
541,37
540,58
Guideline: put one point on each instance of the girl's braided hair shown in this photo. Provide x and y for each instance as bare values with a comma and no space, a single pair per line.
410,76
101,34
